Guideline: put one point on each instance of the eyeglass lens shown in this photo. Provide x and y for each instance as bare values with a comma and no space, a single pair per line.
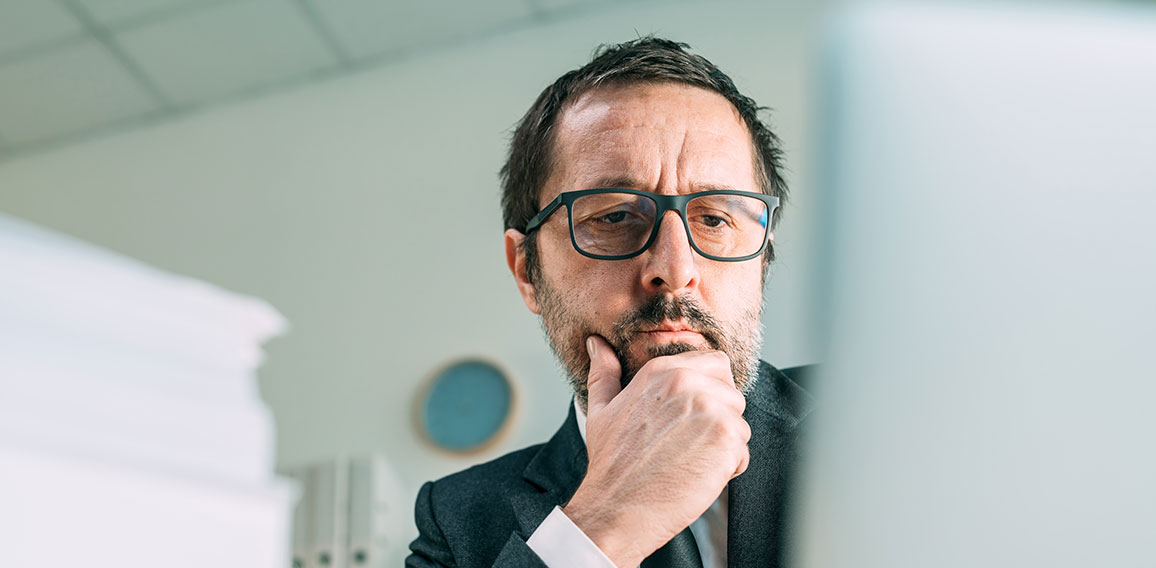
721,225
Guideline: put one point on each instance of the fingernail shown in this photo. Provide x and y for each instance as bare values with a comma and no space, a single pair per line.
590,346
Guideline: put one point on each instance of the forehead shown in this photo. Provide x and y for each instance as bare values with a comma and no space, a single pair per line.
667,138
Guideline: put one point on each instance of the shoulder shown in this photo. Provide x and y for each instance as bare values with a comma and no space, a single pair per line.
508,481
472,518
466,518
485,481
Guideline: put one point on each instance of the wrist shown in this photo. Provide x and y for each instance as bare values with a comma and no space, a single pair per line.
602,524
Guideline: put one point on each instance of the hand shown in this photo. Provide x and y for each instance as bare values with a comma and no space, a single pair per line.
661,450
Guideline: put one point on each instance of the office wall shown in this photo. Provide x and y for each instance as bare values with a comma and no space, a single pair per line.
365,208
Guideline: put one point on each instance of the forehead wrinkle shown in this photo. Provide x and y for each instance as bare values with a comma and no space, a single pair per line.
610,161
600,134
695,171
679,160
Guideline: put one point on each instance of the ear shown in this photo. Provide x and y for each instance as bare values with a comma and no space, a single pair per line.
771,237
516,260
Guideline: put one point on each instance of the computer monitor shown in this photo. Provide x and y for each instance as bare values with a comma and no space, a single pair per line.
988,390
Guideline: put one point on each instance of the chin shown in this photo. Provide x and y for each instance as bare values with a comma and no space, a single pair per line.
635,360
640,352
673,348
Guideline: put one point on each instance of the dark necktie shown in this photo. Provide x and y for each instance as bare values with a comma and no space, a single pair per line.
680,552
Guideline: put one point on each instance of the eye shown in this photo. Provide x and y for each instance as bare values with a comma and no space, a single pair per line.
712,221
717,221
613,217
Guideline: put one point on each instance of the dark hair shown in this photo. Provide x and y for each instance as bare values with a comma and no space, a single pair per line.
644,60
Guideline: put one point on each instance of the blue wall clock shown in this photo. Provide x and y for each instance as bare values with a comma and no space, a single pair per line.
466,406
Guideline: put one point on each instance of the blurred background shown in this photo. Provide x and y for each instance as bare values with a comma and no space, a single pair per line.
339,159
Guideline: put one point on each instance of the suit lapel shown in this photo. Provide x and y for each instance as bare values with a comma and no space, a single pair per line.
556,471
757,514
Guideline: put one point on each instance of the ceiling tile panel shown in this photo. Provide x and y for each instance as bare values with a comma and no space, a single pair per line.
64,91
227,48
111,12
552,5
370,27
28,23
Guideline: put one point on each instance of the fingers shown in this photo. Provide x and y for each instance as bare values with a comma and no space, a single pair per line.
709,369
604,381
715,364
744,462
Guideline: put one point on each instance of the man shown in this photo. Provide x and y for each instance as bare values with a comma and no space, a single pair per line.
639,197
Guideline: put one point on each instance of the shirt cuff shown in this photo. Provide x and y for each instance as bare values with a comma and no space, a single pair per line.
561,544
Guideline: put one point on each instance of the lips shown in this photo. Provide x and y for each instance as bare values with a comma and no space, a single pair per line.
669,327
672,331
663,321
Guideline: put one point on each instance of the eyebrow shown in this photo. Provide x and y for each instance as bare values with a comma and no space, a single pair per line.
714,187
627,182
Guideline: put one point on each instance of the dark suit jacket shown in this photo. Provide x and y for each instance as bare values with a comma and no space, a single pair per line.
483,516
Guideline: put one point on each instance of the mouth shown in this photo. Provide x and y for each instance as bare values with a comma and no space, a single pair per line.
669,331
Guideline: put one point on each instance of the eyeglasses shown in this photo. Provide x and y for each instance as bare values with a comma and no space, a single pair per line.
616,224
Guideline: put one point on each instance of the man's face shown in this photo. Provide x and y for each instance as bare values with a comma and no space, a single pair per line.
663,138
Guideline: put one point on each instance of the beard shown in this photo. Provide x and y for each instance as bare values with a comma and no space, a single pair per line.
567,328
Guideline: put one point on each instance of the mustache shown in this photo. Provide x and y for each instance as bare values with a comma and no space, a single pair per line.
660,308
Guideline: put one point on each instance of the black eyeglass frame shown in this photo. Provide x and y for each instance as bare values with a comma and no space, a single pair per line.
663,204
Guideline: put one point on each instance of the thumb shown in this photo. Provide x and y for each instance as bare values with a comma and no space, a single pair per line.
604,381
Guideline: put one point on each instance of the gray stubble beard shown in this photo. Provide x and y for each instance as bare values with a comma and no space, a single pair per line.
566,332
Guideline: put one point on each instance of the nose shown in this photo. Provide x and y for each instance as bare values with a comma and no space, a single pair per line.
669,263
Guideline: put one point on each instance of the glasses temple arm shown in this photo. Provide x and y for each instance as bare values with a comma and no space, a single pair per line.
541,216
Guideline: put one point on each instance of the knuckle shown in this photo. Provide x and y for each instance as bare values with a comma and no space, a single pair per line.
652,366
733,431
702,404
738,400
744,461
724,430
680,380
721,364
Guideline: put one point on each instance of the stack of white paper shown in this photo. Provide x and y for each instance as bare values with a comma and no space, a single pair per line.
130,423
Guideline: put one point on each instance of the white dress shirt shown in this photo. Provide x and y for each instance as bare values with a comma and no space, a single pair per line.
561,544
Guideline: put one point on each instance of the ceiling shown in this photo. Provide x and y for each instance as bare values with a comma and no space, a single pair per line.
76,68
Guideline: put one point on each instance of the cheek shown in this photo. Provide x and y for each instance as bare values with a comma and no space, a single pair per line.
603,294
734,290
598,291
